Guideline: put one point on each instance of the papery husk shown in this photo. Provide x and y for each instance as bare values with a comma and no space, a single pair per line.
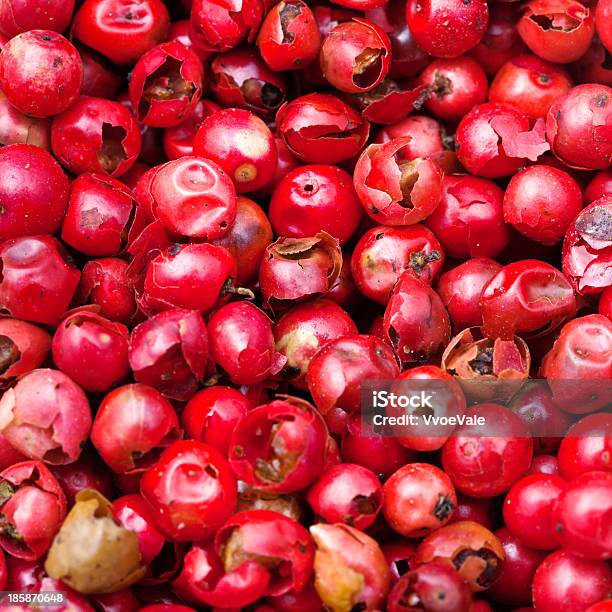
91,553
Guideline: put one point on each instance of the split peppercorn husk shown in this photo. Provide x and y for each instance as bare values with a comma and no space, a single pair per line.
91,553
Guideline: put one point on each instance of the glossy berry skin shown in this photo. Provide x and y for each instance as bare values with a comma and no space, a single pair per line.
121,30
92,350
308,126
96,135
586,249
576,127
418,499
461,287
541,202
242,343
38,280
347,493
599,186
241,144
18,128
586,447
173,277
88,472
449,401
605,303
602,17
46,417
528,510
40,73
566,580
355,56
23,347
383,254
434,586
581,515
471,548
102,217
247,239
289,38
558,31
194,197
394,191
513,587
350,569
313,198
359,357
133,513
133,424
279,447
425,137
191,490
178,139
489,465
169,351
241,79
265,541
32,509
447,28
219,26
530,84
494,140
526,296
501,41
458,84
166,84
33,189
212,413
416,321
295,269
582,352
468,221
306,328
104,283
17,16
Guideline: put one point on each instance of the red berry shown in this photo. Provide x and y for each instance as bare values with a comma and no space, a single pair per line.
18,16
418,499
317,198
581,516
289,37
242,343
528,510
92,350
211,415
559,31
102,217
191,490
486,466
447,28
46,416
279,447
33,190
541,202
166,84
529,84
169,351
566,581
347,493
40,73
122,30
96,135
242,145
38,279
